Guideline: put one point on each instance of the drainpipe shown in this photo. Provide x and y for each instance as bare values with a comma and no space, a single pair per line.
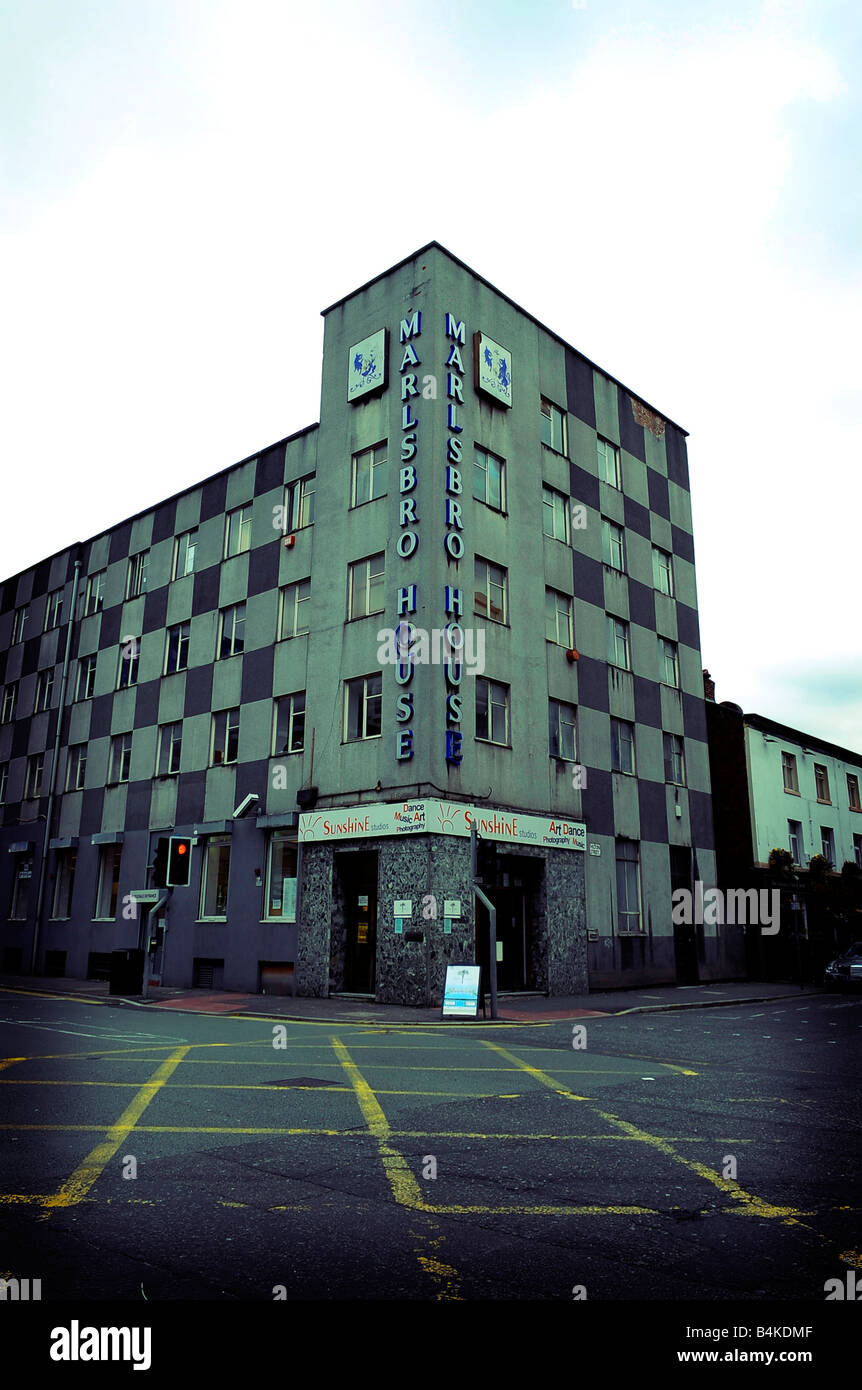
43,866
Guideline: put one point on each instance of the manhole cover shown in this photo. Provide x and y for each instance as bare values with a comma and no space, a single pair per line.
307,1081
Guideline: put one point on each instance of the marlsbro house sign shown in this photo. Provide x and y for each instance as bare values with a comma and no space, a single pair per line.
441,818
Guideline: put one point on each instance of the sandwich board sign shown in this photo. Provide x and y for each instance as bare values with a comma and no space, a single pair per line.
461,991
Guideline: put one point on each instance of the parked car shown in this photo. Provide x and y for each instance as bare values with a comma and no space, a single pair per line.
846,969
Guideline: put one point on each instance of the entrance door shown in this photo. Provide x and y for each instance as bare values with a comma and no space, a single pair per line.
359,885
511,900
684,940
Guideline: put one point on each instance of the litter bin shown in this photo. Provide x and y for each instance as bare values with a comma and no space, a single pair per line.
127,972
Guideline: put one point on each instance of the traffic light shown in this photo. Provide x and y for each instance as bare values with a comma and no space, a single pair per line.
179,861
160,865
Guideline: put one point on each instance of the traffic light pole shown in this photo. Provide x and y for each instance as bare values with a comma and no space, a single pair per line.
492,917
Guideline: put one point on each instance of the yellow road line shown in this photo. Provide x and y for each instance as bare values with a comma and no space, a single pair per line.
87,1173
360,1134
539,1075
405,1188
749,1204
11,1061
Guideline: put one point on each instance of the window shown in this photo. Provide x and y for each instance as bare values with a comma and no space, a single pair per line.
4,782
18,625
225,736
53,610
232,634
491,596
237,531
64,884
169,750
293,621
129,655
214,878
628,888
185,547
668,662
76,767
827,844
674,759
622,746
553,426
94,601
558,618
489,479
562,736
44,690
609,462
177,648
121,758
796,842
618,643
368,475
857,850
613,545
788,771
108,888
86,677
33,780
362,698
492,711
136,580
300,503
365,586
288,733
10,700
662,570
821,782
281,879
555,515
21,888
853,792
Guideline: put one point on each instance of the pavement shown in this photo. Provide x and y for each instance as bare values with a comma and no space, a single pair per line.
512,1008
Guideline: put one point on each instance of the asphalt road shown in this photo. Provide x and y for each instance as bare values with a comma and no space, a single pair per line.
711,1153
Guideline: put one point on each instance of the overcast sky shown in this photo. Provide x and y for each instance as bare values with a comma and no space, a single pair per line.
672,187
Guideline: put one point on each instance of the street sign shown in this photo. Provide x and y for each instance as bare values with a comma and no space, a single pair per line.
145,895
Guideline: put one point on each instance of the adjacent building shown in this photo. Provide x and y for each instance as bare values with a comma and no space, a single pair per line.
467,595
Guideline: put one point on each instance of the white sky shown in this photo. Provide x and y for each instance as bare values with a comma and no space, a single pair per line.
674,188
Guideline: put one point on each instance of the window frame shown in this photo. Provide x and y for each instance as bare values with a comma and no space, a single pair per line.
276,839
556,723
602,458
788,765
44,692
609,540
165,736
218,843
358,685
668,648
87,667
484,469
821,780
181,662
486,609
34,776
299,500
619,744
552,597
243,531
120,760
674,758
492,704
553,414
853,798
10,703
190,537
295,714
368,580
551,506
54,609
18,623
94,598
618,631
137,574
76,763
660,571
299,599
231,728
232,644
375,467
631,879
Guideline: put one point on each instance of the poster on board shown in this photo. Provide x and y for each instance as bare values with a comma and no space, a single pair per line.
461,991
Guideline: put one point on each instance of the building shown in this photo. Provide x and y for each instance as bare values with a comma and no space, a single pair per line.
467,594
780,793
